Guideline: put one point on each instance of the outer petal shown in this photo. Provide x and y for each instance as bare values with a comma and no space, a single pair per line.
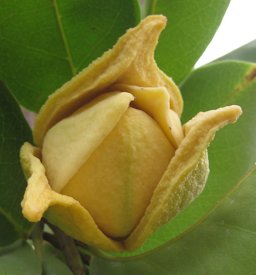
63,211
131,61
186,174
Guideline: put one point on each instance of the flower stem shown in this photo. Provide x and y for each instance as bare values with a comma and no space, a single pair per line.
37,238
50,238
70,251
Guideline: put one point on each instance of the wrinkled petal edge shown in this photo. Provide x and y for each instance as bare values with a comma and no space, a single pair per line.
63,211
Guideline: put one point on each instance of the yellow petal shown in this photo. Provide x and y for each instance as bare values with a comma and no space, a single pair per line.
62,211
116,183
69,144
155,102
131,61
186,174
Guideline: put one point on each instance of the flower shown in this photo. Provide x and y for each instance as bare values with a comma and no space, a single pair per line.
113,162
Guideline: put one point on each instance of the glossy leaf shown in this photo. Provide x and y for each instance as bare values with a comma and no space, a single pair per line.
191,26
245,53
19,260
44,43
224,243
233,152
13,132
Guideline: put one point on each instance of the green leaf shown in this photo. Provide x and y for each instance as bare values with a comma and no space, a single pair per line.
224,243
20,260
53,262
8,234
232,153
245,53
14,131
191,26
44,43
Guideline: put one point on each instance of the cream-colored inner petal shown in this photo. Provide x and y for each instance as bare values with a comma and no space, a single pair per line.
70,142
116,183
155,101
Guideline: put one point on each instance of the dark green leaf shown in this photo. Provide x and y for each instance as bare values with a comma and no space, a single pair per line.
225,243
233,152
8,234
14,131
191,26
44,43
20,260
245,53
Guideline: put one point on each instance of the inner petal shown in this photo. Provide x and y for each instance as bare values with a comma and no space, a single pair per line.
69,143
116,183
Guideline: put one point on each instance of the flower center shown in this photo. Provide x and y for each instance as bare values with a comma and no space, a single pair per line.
116,183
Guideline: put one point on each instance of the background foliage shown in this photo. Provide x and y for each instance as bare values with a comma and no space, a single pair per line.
44,43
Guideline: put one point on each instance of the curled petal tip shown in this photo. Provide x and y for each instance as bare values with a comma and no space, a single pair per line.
158,17
237,110
158,20
232,112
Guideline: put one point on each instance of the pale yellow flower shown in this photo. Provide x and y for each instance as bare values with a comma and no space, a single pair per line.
113,162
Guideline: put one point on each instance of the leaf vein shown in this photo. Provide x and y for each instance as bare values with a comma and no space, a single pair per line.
64,38
36,50
237,228
9,217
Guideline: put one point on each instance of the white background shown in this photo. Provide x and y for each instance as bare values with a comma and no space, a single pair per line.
238,27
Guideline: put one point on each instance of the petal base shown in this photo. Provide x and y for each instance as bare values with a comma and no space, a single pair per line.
62,211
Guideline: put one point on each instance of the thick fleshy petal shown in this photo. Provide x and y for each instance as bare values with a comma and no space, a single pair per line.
116,183
70,143
130,61
186,174
62,211
155,102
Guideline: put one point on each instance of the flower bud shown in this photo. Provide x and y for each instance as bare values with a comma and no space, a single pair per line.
113,162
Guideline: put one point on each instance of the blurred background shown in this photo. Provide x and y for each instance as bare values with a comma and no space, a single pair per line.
237,28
